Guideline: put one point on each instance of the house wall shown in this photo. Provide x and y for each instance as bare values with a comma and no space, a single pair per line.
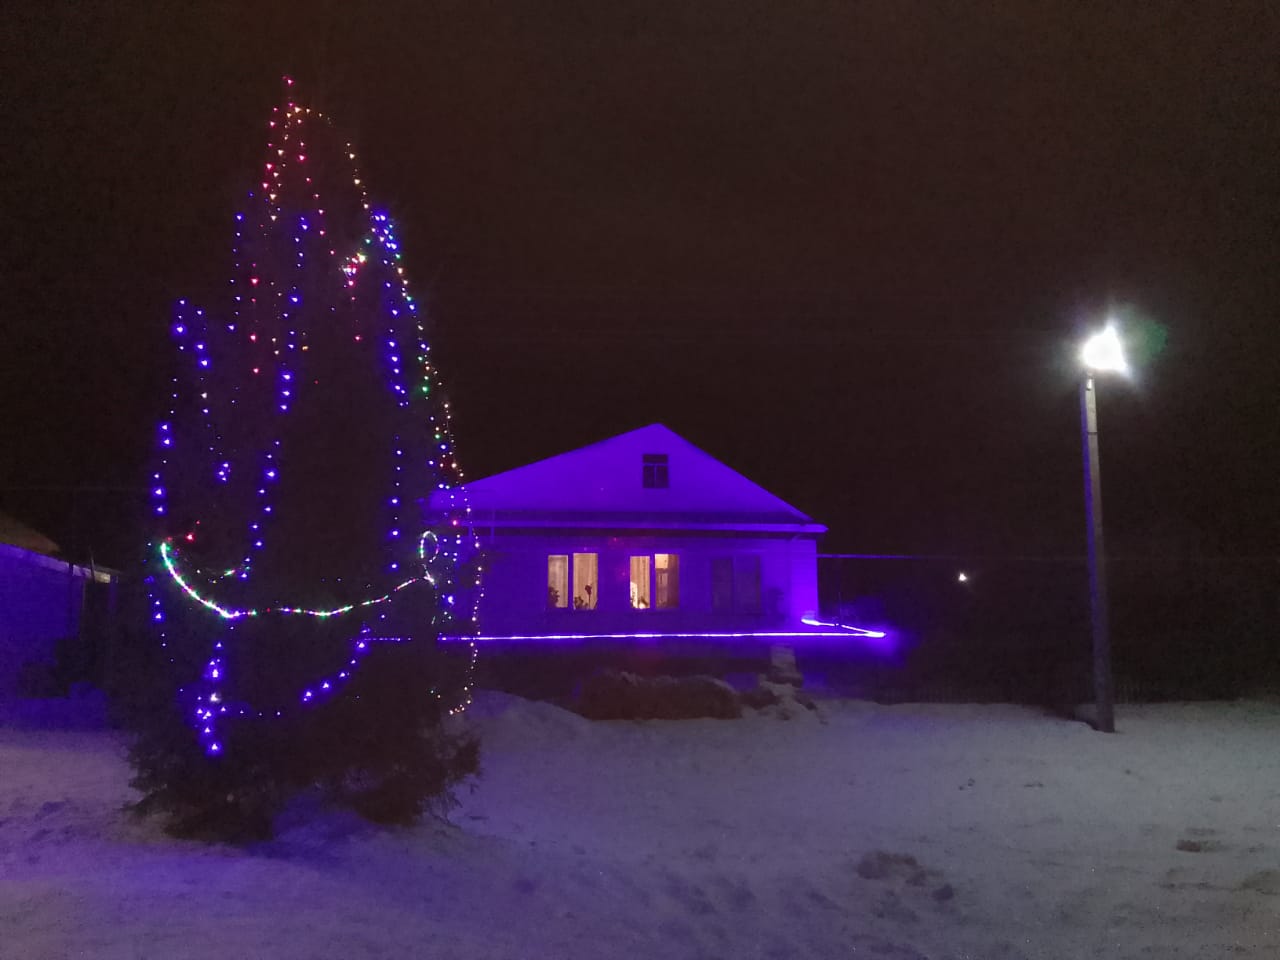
40,601
515,583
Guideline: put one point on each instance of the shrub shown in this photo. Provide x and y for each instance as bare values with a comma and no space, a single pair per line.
617,695
383,747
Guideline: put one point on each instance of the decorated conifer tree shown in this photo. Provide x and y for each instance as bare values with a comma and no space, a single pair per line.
297,582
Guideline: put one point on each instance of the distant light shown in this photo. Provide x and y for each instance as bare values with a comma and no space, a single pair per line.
1104,353
962,577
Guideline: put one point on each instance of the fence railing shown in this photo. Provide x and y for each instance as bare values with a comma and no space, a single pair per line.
1017,628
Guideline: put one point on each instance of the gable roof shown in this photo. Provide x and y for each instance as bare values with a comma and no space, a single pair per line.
17,534
600,485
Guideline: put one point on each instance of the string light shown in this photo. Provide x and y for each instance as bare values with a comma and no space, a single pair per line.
843,634
168,556
258,347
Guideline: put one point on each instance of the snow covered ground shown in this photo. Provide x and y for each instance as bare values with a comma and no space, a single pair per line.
869,831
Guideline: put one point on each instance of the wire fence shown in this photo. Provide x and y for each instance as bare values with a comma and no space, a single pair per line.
1017,628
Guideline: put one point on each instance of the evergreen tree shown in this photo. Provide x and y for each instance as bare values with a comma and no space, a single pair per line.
297,582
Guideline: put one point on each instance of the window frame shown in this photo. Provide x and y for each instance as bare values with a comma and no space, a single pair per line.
593,587
651,560
634,594
655,471
673,581
748,570
558,585
737,584
722,586
569,600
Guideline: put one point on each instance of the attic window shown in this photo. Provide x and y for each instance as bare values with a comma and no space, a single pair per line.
655,470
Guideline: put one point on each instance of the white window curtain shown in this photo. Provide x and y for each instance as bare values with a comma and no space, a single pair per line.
558,580
586,585
640,596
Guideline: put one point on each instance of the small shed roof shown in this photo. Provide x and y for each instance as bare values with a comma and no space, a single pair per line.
600,485
14,533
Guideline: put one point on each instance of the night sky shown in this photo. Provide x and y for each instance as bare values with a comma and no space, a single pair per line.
846,248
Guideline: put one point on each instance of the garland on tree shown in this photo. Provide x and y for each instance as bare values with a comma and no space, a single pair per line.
307,431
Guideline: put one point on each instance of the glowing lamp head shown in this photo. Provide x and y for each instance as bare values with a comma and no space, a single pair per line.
1104,353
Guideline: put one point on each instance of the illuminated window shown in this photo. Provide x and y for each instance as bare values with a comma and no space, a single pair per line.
640,596
585,581
584,573
666,568
654,470
558,580
655,582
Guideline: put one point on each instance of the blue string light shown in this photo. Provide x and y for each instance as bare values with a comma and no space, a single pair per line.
264,338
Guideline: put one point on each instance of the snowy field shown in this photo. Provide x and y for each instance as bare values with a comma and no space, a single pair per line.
981,832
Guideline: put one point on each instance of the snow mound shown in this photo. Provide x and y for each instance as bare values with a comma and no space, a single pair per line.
501,718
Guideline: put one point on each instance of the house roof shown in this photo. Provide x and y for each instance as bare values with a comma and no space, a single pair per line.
600,485
14,533
21,544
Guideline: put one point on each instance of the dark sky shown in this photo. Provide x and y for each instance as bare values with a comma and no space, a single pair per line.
845,247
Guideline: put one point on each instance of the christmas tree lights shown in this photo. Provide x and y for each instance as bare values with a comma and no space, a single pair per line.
308,386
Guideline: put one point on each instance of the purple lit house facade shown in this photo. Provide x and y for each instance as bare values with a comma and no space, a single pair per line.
640,536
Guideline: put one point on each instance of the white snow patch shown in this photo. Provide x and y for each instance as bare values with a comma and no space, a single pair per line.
945,832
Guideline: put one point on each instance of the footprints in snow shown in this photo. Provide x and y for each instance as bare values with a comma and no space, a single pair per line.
1205,840
906,882
1199,840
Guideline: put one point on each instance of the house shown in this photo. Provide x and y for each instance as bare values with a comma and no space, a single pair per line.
641,536
41,601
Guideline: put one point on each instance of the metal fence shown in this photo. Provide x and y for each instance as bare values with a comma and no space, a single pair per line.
1017,628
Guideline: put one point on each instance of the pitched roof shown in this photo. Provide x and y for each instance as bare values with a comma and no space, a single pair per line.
17,534
600,485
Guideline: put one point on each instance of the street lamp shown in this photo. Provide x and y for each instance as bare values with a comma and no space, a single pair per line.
1102,353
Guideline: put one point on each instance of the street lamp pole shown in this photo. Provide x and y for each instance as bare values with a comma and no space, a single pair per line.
1103,694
